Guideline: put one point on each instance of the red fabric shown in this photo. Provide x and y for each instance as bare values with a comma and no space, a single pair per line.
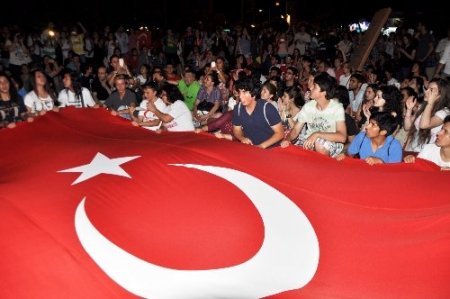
383,231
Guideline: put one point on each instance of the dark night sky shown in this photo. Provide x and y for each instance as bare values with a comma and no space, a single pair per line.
181,13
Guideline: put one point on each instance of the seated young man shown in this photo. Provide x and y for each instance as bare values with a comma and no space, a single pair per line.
438,152
325,119
144,117
120,100
255,122
375,144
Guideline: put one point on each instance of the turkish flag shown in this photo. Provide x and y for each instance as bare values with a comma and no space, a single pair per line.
92,207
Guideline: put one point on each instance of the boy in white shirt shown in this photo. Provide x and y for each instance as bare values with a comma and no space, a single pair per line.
325,119
146,118
178,117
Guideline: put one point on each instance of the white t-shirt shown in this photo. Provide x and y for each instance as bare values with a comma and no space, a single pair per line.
18,56
432,152
141,79
147,115
441,46
37,104
182,118
321,120
302,40
445,59
67,98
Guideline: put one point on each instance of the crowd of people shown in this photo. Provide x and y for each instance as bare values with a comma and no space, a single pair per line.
263,88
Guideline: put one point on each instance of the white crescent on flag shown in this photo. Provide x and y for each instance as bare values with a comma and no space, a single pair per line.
287,259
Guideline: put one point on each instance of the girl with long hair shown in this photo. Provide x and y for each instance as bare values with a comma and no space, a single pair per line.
41,98
423,126
12,109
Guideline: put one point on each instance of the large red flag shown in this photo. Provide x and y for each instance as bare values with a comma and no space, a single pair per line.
92,207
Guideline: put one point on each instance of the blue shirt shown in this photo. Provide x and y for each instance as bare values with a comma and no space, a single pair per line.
390,152
257,126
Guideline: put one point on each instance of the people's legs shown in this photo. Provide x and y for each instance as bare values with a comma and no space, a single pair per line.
328,148
318,147
217,123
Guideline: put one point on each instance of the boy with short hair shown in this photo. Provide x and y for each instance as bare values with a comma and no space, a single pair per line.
255,121
376,144
325,119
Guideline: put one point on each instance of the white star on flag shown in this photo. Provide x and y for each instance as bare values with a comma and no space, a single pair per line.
100,164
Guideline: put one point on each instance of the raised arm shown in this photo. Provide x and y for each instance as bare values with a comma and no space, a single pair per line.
429,121
411,102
